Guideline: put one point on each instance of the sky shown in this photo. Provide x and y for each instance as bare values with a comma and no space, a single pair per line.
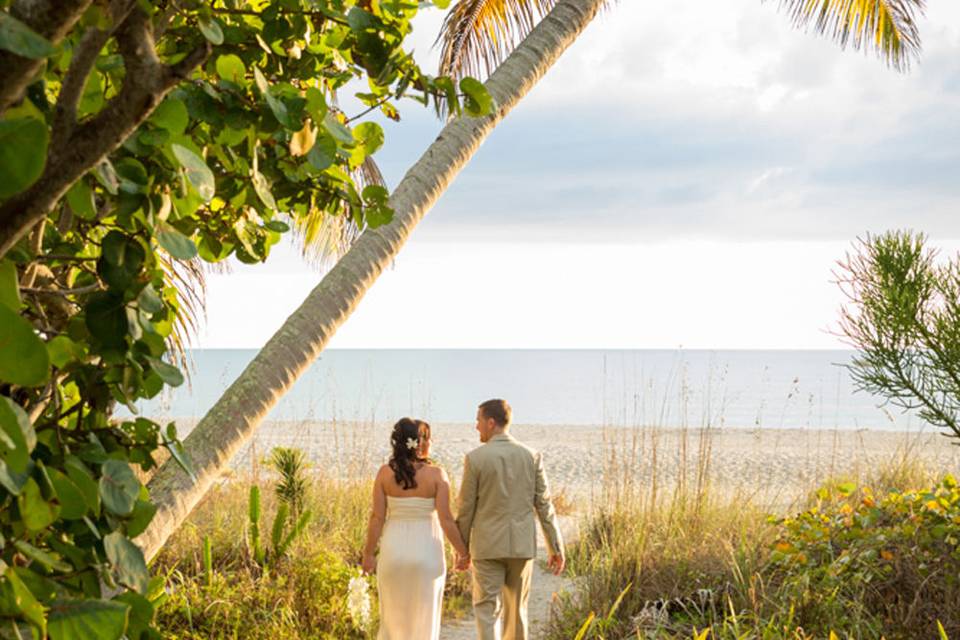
687,175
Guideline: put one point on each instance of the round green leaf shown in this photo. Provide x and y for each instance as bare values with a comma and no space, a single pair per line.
337,129
133,175
198,173
37,513
20,39
80,199
171,115
143,513
211,31
316,104
63,350
106,318
176,244
127,559
82,619
121,260
323,153
369,135
478,101
119,488
23,153
230,67
77,472
167,372
23,356
73,506
149,300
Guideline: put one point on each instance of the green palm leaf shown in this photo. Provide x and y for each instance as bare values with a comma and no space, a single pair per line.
887,27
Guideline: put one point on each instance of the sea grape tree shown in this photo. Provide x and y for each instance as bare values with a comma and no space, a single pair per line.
140,139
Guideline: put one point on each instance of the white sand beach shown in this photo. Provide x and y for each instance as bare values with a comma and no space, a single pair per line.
772,464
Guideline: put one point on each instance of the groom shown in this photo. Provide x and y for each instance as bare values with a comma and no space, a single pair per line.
504,484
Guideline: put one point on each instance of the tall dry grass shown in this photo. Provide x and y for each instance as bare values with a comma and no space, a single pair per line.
670,554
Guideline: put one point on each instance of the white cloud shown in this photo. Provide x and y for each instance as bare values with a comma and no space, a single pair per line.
686,174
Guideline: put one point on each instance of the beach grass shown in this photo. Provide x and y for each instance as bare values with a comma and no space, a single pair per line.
303,595
679,536
866,555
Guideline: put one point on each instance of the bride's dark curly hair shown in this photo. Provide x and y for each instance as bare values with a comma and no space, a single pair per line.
404,458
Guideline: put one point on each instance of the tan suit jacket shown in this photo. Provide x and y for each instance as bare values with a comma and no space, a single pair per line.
503,486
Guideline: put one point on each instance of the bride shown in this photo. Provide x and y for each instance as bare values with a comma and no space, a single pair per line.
411,504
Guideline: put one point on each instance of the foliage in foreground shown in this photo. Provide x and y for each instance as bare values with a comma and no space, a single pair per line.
858,563
139,140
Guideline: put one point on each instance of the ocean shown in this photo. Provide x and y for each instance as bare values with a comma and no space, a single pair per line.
668,388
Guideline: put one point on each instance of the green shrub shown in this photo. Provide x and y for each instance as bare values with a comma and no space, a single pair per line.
856,563
885,565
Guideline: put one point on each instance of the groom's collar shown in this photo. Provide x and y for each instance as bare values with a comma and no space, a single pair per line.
500,436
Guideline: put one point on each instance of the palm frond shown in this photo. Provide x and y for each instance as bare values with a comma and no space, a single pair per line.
324,237
887,27
188,277
477,35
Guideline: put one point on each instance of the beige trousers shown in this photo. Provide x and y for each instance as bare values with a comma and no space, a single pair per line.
501,589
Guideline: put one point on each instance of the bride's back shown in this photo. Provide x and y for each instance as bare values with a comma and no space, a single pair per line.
427,477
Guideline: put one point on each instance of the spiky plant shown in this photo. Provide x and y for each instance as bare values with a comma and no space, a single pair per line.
291,489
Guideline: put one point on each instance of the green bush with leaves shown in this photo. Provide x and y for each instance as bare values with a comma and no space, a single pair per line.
858,563
885,565
140,140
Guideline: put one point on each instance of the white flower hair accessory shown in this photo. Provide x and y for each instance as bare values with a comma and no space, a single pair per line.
412,443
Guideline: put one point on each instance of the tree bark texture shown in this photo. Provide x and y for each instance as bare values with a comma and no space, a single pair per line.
51,19
76,148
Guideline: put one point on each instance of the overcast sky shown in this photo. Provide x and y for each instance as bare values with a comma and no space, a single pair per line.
686,175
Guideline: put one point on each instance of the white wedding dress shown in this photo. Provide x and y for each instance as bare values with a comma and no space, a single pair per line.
411,570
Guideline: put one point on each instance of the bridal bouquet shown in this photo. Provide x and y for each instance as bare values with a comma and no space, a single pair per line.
358,601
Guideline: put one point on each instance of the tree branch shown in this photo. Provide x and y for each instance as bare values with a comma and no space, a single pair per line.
146,82
52,19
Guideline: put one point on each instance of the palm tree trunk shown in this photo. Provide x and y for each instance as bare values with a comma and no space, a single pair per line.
294,347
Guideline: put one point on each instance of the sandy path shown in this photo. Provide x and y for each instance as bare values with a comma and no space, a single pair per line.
545,585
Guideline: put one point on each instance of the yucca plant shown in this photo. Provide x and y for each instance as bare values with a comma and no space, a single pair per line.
291,490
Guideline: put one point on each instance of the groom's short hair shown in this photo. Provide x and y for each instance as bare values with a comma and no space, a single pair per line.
498,410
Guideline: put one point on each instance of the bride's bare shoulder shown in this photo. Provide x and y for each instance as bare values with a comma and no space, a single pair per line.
436,470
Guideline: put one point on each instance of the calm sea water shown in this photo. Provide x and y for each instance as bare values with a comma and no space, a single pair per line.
771,389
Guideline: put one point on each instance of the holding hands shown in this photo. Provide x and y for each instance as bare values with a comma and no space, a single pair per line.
556,562
463,561
369,563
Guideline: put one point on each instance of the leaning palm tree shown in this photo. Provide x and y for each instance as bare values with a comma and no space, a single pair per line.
232,420
476,31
